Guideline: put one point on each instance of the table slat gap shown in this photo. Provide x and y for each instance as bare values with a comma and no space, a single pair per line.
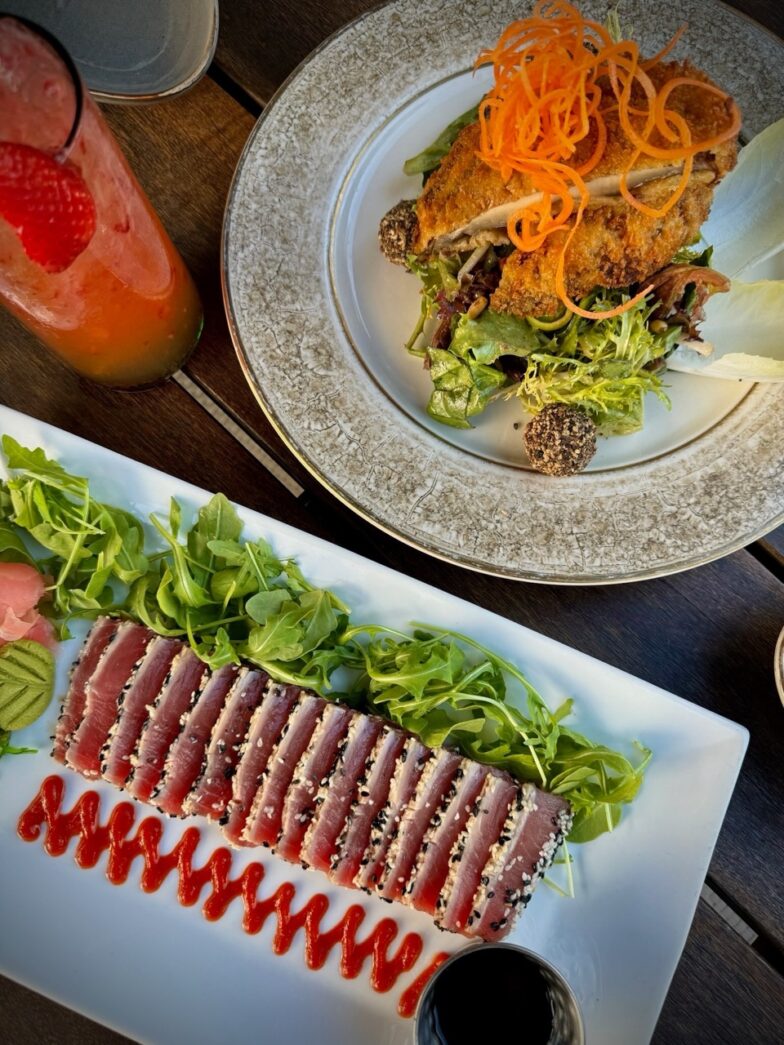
234,89
208,404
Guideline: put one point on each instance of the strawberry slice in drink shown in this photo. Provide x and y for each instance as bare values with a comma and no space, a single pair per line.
47,203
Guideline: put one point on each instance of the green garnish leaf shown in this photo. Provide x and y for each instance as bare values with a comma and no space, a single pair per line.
216,521
464,377
6,747
460,389
182,577
90,543
436,276
26,683
266,603
430,158
491,335
12,548
36,464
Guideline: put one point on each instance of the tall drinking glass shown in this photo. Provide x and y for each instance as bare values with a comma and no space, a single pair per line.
84,261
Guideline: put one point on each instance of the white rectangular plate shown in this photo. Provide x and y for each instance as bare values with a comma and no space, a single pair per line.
161,973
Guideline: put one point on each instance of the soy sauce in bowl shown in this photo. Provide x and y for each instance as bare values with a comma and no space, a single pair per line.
520,996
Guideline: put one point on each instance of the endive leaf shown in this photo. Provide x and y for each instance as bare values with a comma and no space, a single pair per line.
746,223
746,329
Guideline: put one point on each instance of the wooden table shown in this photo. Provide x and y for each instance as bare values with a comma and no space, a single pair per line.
708,634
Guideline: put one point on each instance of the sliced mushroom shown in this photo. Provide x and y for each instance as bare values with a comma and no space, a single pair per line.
496,218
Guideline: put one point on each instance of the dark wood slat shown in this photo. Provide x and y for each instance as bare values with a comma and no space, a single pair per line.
773,545
723,993
29,1017
260,45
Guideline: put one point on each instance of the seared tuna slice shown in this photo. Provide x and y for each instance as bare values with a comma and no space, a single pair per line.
532,832
103,694
264,731
424,809
164,723
134,710
264,820
471,851
432,863
353,842
101,635
386,824
312,779
186,754
349,782
211,793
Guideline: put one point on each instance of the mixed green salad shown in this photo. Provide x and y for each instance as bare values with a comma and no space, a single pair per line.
605,368
233,598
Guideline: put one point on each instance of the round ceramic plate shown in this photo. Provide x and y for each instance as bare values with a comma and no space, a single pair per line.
319,319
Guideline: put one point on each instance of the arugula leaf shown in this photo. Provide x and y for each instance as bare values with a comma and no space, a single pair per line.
218,651
265,603
129,560
7,749
142,604
12,548
216,521
89,541
289,628
279,638
26,683
38,466
232,583
182,577
430,158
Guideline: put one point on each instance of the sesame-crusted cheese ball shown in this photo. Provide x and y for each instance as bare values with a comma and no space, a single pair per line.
560,440
397,230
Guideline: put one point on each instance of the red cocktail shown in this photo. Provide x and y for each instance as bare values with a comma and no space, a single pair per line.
84,261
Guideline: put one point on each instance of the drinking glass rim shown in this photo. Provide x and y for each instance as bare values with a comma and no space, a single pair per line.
70,66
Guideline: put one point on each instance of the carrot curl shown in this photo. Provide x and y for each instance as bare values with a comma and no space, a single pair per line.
547,98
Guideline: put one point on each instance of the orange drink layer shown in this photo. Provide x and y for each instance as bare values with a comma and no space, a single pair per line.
125,311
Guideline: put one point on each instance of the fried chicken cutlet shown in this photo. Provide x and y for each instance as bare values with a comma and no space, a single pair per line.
464,187
615,245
